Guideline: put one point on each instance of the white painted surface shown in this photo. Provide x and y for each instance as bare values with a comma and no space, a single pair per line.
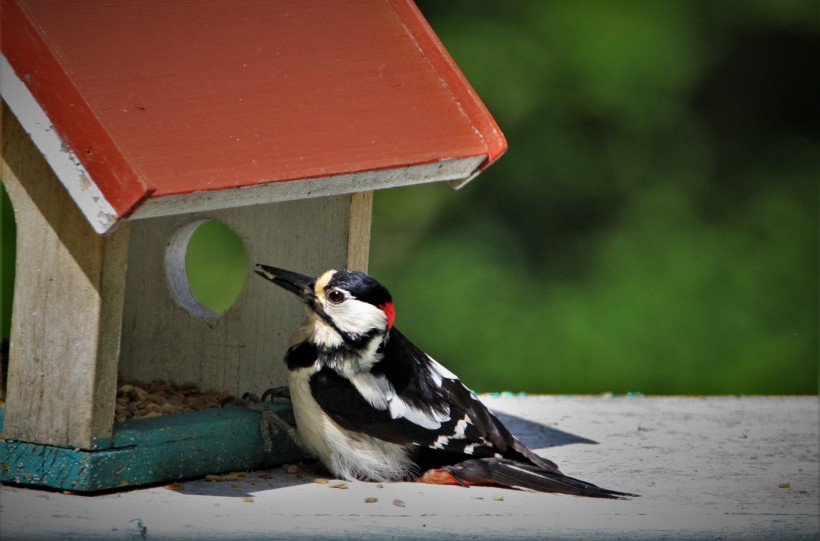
707,468
457,171
79,184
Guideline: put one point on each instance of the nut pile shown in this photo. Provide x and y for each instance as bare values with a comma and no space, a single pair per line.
145,400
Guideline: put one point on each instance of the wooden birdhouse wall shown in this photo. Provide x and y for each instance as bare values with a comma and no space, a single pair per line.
92,309
122,150
68,294
241,349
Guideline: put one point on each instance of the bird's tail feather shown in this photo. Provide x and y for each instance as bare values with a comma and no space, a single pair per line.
509,473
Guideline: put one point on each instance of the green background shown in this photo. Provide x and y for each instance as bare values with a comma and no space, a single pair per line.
653,226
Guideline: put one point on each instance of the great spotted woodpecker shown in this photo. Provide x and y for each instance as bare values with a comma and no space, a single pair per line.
370,405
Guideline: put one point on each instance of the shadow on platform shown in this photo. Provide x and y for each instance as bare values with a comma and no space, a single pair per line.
536,435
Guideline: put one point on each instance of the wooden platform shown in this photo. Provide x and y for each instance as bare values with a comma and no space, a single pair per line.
707,468
148,451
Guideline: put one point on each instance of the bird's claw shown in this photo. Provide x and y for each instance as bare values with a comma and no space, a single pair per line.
276,392
269,422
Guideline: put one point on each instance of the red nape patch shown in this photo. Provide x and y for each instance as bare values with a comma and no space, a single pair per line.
390,311
441,477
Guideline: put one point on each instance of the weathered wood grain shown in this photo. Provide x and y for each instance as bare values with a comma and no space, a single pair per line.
74,293
67,308
241,349
148,451
271,91
358,241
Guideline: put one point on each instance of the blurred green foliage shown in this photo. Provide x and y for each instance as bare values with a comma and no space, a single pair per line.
653,226
217,265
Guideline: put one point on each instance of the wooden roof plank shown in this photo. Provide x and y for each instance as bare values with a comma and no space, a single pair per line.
165,99
57,93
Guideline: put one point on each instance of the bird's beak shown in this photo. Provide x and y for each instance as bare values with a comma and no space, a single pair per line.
294,282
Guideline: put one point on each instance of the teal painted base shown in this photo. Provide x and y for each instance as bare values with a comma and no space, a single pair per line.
153,450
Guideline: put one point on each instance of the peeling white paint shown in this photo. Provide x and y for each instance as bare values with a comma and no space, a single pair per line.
72,174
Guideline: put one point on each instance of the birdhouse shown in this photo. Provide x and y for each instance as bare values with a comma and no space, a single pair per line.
125,127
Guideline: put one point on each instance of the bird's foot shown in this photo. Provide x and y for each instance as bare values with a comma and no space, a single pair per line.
270,423
273,393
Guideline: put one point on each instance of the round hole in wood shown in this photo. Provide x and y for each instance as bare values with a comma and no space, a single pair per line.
206,266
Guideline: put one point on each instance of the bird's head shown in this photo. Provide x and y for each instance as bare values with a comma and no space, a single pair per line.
350,303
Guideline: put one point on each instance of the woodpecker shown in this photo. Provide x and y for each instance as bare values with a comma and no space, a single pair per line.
370,405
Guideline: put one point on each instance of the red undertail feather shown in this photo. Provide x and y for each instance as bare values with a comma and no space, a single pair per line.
441,477
511,474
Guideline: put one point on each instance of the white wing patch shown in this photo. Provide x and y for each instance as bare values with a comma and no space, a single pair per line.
380,394
470,449
458,433
439,372
375,389
431,420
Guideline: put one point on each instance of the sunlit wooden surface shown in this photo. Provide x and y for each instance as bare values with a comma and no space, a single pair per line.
706,468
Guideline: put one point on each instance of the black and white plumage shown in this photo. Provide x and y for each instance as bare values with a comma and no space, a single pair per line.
370,405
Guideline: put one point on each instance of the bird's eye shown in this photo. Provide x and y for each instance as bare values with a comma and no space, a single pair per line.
335,296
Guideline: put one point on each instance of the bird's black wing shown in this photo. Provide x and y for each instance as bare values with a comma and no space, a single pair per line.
408,398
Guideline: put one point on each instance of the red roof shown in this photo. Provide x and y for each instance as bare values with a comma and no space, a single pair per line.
163,98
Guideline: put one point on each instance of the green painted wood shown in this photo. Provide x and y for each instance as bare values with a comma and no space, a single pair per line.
155,450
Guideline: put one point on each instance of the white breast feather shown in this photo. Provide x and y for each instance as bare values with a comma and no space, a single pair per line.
348,455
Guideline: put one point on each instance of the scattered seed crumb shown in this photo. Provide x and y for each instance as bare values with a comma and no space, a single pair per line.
321,481
247,499
338,484
379,485
398,503
371,500
784,485
149,415
232,476
140,400
477,497
292,468
176,487
498,498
